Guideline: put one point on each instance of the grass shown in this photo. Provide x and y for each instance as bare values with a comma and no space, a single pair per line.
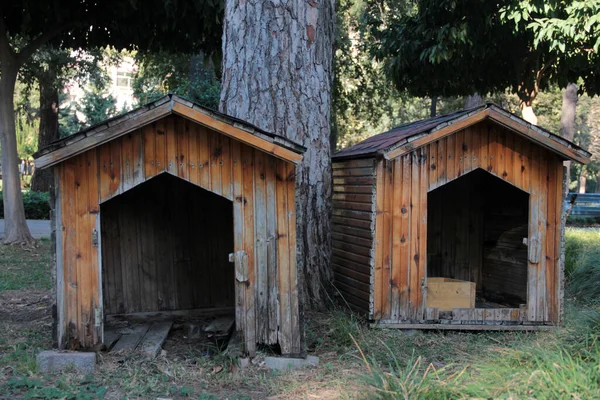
25,267
542,365
356,362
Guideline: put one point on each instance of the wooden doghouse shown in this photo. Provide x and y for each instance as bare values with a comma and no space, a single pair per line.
149,207
474,196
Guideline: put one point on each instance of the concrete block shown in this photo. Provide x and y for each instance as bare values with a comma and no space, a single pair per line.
244,362
283,363
56,361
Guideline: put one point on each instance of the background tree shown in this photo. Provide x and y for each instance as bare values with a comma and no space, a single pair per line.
49,69
457,48
25,26
277,74
193,76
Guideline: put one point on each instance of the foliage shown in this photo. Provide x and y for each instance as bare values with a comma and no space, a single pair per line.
570,30
191,76
147,25
582,264
443,48
37,205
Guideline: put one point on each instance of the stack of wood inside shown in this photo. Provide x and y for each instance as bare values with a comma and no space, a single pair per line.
477,226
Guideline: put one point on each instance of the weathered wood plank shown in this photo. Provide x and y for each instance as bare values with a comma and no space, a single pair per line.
130,340
152,342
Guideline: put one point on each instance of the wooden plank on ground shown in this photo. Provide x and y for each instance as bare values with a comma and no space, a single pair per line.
129,341
110,338
221,325
154,338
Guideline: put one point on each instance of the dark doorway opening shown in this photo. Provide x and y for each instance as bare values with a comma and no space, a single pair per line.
165,246
477,230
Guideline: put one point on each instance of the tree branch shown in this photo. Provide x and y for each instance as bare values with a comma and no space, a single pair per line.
5,49
39,41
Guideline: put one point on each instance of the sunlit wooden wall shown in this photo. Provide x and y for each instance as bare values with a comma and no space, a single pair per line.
261,188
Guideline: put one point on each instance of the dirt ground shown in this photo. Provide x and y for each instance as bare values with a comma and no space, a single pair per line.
185,368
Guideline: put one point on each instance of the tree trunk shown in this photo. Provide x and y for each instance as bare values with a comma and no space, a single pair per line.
433,107
277,74
473,101
598,182
15,225
582,182
567,119
527,113
42,180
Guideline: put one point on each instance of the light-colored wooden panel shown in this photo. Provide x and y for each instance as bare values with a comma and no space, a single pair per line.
379,233
160,146
204,174
415,213
182,140
285,334
387,239
171,145
193,156
396,233
148,135
260,234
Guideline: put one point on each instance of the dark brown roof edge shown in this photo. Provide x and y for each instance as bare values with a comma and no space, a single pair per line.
461,114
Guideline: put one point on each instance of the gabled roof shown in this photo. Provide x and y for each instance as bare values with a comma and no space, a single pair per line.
113,128
407,137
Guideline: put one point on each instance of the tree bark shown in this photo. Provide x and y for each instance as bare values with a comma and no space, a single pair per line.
433,106
277,74
567,119
582,182
15,225
473,101
42,180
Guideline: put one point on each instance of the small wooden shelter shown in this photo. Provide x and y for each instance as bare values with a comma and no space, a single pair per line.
454,222
175,208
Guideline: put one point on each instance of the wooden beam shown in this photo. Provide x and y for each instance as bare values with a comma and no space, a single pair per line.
443,132
460,327
236,133
542,140
97,138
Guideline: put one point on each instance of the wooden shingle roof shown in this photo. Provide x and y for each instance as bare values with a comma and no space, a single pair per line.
407,137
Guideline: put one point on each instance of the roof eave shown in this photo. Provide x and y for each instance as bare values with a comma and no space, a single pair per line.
171,104
540,136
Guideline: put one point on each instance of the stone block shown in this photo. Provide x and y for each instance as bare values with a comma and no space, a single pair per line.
55,361
284,363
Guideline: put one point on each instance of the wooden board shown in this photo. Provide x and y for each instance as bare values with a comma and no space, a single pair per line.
130,340
446,294
152,342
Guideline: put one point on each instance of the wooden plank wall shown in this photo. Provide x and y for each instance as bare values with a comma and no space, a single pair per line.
401,216
265,230
353,230
166,252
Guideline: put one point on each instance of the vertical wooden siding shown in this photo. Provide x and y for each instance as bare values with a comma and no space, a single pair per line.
216,163
401,226
353,230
